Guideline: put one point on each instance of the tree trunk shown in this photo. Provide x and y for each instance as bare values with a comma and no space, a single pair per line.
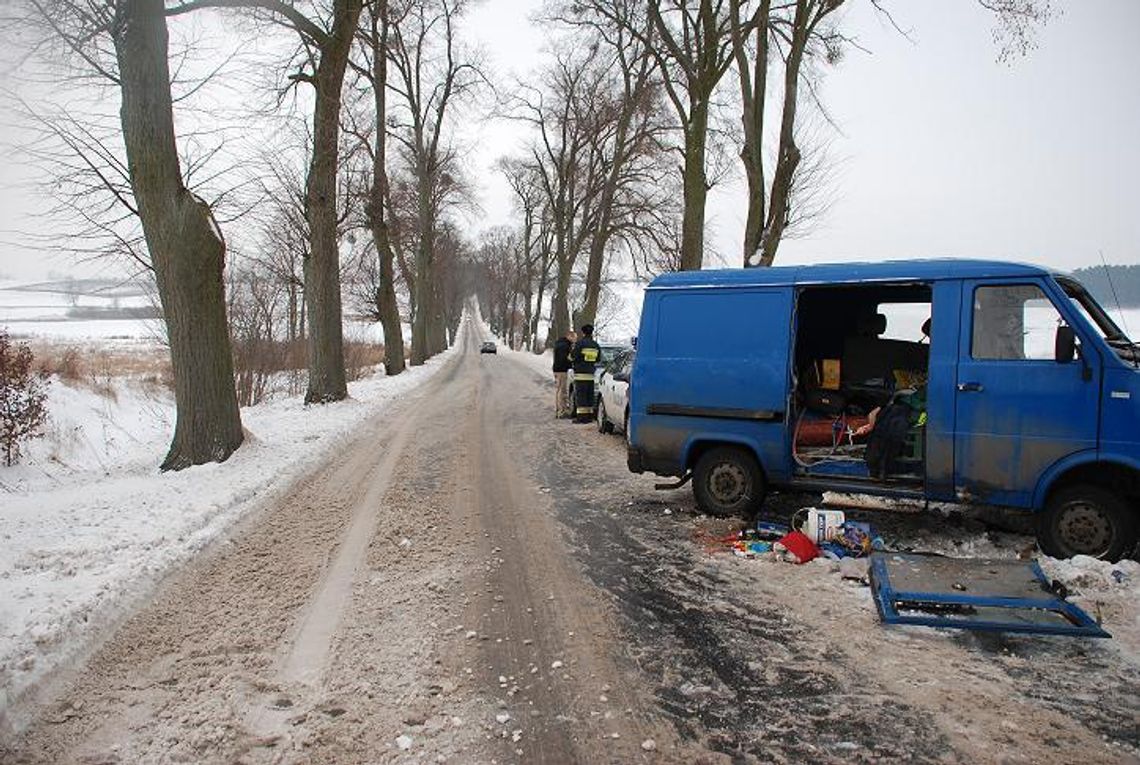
437,338
291,332
543,280
185,245
598,245
559,306
426,308
390,311
386,304
527,295
695,187
788,155
322,266
753,93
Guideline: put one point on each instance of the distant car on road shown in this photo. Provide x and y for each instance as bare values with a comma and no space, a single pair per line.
613,393
488,347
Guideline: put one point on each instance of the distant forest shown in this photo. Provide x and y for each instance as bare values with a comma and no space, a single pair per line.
1126,280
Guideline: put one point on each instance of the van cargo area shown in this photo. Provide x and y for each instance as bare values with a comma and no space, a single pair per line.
873,340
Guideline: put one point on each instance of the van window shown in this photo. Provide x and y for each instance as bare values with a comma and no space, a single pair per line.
904,320
1014,322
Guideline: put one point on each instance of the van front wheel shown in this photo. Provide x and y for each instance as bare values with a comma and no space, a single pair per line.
727,481
1087,520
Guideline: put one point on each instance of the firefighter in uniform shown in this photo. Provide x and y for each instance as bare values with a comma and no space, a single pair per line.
585,358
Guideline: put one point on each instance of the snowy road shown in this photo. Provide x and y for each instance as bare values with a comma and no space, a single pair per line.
472,582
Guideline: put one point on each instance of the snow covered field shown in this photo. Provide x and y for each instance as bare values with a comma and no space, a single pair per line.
88,525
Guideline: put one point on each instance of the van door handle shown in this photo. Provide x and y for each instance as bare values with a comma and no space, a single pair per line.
970,387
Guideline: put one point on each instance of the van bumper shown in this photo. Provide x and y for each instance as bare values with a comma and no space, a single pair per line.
638,462
633,460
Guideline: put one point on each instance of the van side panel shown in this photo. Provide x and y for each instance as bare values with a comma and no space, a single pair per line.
1120,412
712,362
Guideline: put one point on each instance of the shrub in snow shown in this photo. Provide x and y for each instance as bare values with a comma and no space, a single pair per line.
23,393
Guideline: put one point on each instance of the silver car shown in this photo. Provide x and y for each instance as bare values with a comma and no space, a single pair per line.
612,409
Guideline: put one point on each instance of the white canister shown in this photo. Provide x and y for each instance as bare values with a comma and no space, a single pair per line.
822,525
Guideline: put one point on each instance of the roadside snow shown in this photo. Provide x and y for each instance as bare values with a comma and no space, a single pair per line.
541,363
88,525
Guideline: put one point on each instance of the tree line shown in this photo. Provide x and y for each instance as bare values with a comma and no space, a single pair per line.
636,115
627,118
369,75
1111,285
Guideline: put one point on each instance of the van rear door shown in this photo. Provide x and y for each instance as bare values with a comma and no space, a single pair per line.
1017,410
713,364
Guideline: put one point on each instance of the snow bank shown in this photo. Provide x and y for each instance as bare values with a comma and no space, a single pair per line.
1109,592
88,525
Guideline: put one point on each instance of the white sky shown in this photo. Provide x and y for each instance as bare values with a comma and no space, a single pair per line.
940,150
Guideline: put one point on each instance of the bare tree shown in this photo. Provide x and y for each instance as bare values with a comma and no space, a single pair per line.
1018,22
431,74
691,42
567,163
326,49
501,260
793,29
381,278
526,187
284,244
127,43
625,130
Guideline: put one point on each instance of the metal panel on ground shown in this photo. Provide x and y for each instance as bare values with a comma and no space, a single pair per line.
973,594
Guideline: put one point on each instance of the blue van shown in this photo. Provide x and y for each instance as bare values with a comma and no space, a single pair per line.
1002,384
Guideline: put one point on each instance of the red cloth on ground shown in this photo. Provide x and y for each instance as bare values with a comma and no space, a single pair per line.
799,545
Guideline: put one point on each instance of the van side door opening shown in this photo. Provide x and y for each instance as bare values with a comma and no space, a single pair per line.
860,370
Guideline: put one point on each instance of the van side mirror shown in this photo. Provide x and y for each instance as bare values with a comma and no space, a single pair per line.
1065,345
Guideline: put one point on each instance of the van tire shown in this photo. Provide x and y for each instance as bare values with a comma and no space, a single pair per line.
1086,520
727,481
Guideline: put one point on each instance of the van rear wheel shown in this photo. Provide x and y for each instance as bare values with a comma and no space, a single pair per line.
727,481
1087,520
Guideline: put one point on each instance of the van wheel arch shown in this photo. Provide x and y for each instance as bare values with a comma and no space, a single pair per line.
728,479
1087,502
1084,519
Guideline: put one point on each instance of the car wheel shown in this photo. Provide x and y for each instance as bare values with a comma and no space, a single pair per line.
625,427
1086,520
604,425
727,481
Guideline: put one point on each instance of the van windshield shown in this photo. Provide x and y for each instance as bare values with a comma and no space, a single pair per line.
1099,319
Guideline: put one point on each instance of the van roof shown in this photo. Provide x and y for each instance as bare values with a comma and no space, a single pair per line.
834,273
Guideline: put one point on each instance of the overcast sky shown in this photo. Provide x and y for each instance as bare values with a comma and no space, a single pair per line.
938,149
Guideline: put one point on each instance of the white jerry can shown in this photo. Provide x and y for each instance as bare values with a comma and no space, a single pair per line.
822,525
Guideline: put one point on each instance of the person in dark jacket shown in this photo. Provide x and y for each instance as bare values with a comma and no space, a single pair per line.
562,349
585,359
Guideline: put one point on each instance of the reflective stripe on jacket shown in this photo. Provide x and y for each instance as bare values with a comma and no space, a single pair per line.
585,356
